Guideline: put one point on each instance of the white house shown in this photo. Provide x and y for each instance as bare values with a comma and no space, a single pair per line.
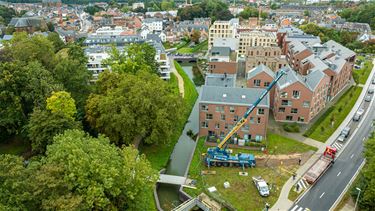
106,30
153,24
95,63
163,36
138,5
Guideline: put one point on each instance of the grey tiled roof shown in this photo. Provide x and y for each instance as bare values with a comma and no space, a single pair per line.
313,79
336,47
258,69
316,62
220,80
288,79
296,46
220,51
232,96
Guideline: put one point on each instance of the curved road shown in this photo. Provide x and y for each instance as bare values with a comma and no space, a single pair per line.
328,188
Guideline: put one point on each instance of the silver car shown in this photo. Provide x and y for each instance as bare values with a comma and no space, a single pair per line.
370,91
368,98
341,138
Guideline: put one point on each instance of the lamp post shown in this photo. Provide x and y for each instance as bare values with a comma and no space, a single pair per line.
356,201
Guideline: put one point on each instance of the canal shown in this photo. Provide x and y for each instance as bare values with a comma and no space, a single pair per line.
179,159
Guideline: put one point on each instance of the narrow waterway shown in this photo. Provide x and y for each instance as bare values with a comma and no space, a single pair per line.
179,160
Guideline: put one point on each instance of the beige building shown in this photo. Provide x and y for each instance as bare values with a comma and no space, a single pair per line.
222,29
269,56
252,38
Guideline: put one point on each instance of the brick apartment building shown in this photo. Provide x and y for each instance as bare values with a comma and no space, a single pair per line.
221,107
261,77
270,56
222,60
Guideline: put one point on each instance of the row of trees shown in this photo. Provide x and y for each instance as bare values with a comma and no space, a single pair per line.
215,9
364,13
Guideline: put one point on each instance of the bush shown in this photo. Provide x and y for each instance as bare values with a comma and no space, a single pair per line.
292,128
198,77
318,122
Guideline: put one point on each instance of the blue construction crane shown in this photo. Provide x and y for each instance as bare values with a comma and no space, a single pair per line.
220,155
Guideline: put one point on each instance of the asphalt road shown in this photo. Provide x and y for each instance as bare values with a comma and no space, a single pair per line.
328,188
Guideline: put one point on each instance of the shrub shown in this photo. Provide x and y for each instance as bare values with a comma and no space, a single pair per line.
292,128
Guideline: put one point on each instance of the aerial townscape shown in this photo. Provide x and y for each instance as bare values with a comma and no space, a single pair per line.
249,105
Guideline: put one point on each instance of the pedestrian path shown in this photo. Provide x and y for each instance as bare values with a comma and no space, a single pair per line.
298,208
179,78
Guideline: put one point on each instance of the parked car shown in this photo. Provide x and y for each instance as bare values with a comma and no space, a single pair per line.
341,138
370,91
345,132
356,117
368,98
360,111
262,186
373,81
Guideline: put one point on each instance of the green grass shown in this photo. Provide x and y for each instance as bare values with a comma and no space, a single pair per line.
196,49
173,82
158,155
14,146
278,144
242,188
293,194
360,76
323,128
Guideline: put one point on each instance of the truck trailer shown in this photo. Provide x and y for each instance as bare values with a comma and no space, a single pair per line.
321,165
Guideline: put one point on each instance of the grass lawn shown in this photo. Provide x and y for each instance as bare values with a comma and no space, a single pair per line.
15,146
159,155
196,49
323,128
360,76
293,194
242,188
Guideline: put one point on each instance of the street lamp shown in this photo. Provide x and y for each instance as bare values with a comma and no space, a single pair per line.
356,201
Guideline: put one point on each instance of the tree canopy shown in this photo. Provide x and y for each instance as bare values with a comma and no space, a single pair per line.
364,13
79,172
251,12
215,9
62,103
127,106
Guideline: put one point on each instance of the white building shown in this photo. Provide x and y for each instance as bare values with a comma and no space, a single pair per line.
222,29
106,30
138,5
95,63
153,24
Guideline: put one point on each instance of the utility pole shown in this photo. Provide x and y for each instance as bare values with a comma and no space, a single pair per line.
356,201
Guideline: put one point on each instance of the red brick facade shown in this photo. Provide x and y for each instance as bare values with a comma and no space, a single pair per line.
222,67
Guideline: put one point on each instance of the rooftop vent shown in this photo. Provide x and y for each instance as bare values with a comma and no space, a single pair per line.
224,95
243,96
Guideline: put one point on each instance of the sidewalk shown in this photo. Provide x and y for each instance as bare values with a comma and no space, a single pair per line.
283,203
179,77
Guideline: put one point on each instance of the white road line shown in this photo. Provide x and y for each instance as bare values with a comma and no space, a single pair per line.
339,173
294,208
352,156
300,209
322,195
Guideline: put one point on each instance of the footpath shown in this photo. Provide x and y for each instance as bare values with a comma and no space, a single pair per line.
283,203
179,77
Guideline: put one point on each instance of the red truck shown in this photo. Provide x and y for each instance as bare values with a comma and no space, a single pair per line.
321,165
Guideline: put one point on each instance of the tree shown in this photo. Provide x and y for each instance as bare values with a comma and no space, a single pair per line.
44,125
274,6
167,5
22,89
50,27
79,172
127,106
215,9
58,44
195,36
62,103
134,59
93,9
7,14
364,13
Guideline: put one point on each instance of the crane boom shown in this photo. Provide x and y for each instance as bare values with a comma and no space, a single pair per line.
243,120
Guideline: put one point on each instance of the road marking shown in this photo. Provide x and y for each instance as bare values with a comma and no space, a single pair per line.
352,156
322,195
300,209
339,173
294,208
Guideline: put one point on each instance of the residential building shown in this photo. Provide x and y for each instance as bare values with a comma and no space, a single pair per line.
221,107
222,29
300,98
232,43
138,5
296,53
28,24
120,40
95,63
261,77
153,24
224,80
107,30
269,56
222,61
255,38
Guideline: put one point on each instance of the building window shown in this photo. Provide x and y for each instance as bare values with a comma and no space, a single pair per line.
284,94
220,109
222,117
235,119
260,110
251,120
258,120
208,116
286,103
294,111
289,118
296,94
306,104
256,82
301,119
204,124
266,84
217,126
231,109
222,133
282,109
226,126
204,108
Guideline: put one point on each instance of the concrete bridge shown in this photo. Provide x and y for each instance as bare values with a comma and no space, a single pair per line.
185,58
174,180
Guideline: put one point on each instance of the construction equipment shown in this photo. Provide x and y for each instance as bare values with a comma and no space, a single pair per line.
321,165
220,155
262,186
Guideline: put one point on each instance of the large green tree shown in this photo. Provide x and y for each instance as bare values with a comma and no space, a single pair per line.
364,13
215,9
251,12
58,44
127,106
79,172
133,59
